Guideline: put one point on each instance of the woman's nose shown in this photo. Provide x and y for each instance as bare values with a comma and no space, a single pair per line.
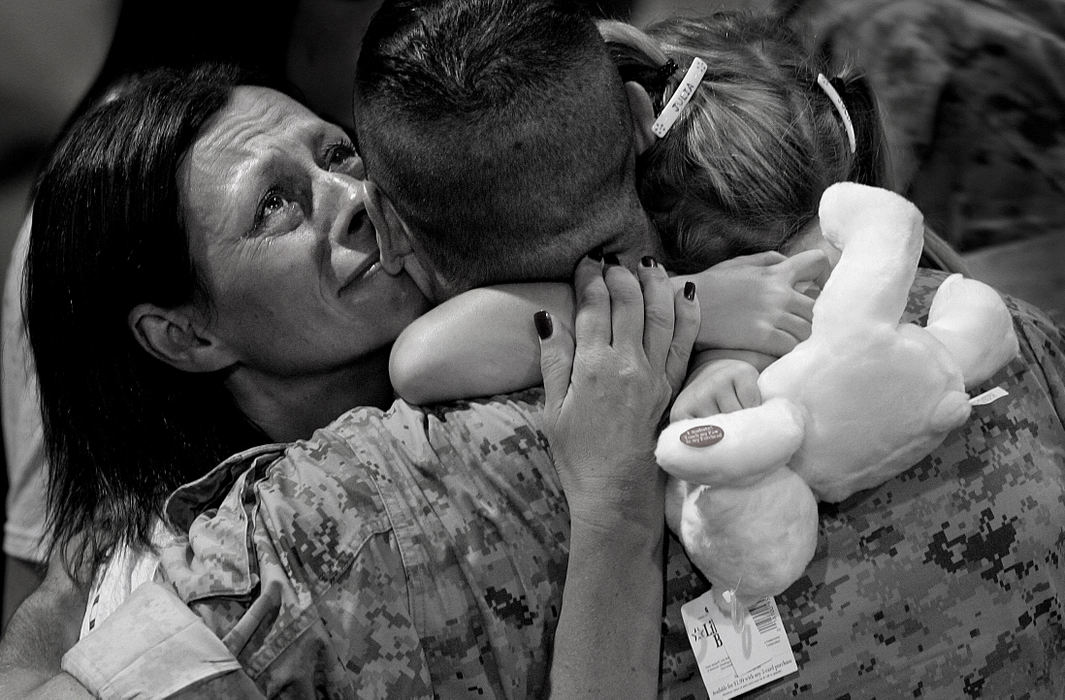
344,208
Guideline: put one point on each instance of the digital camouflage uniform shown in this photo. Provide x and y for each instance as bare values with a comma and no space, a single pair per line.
421,552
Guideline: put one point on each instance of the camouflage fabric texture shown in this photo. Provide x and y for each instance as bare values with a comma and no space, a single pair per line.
409,553
422,552
974,105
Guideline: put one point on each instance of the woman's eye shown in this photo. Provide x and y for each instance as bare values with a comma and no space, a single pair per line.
277,213
272,203
341,156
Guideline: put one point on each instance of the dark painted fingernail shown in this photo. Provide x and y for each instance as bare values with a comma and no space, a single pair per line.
648,261
596,255
544,326
689,291
611,259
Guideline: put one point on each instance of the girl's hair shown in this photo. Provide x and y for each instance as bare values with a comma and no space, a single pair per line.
743,168
121,429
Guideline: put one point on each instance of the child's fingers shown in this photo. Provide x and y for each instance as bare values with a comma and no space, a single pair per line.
686,319
747,392
728,402
591,324
763,259
808,266
556,363
659,313
795,326
801,305
626,305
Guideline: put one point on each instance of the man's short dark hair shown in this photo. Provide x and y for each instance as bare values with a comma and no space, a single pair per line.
500,131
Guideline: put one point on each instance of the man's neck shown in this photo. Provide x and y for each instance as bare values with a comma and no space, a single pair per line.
291,408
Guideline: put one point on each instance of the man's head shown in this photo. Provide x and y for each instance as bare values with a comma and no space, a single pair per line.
500,132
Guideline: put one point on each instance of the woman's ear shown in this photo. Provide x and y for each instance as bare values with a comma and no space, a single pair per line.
643,115
396,243
174,337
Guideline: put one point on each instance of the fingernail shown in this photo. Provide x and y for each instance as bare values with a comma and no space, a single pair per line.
544,326
596,255
611,259
648,261
689,291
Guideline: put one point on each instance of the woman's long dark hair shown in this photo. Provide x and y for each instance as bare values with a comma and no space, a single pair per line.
121,429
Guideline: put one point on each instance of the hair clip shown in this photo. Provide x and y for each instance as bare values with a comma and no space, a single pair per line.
680,98
841,108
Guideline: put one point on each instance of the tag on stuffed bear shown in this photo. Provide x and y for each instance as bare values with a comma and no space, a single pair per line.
735,661
988,396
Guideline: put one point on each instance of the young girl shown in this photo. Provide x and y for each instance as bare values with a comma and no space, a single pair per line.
734,183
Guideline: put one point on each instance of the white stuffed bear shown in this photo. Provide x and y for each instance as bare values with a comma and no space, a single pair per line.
863,399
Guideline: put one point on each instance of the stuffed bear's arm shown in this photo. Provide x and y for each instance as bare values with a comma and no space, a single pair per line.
880,234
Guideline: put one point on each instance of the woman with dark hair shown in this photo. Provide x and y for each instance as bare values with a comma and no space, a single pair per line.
211,247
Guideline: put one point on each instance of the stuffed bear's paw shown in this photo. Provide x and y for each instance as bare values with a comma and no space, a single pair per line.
731,449
972,321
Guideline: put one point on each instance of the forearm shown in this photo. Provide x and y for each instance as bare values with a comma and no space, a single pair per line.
480,343
607,643
43,628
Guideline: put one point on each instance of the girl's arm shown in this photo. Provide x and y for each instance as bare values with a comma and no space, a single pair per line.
479,344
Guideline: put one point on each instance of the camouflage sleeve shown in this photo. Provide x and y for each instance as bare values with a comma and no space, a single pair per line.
1042,343
355,636
298,571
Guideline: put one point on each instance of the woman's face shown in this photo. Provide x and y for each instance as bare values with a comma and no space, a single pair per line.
278,228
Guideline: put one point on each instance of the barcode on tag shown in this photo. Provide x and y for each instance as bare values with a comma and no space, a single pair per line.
734,661
763,616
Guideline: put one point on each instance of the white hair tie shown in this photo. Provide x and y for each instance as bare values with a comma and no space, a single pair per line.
681,97
837,100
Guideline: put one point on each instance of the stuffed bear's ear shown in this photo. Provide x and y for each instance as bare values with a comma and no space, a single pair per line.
643,115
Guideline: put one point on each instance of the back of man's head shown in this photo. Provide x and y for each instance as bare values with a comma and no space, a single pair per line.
500,131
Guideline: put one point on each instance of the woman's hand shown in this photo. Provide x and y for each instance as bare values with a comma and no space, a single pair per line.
608,388
761,302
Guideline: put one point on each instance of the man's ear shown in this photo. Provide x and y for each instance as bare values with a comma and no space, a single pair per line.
393,236
643,115
396,243
175,337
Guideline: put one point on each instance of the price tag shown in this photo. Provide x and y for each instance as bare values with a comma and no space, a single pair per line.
734,659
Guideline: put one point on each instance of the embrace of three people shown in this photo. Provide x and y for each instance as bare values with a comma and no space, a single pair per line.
242,507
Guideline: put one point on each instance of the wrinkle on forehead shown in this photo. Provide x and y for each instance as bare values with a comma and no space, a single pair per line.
254,124
250,114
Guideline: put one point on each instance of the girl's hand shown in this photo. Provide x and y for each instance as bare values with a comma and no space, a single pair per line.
760,302
720,386
608,384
